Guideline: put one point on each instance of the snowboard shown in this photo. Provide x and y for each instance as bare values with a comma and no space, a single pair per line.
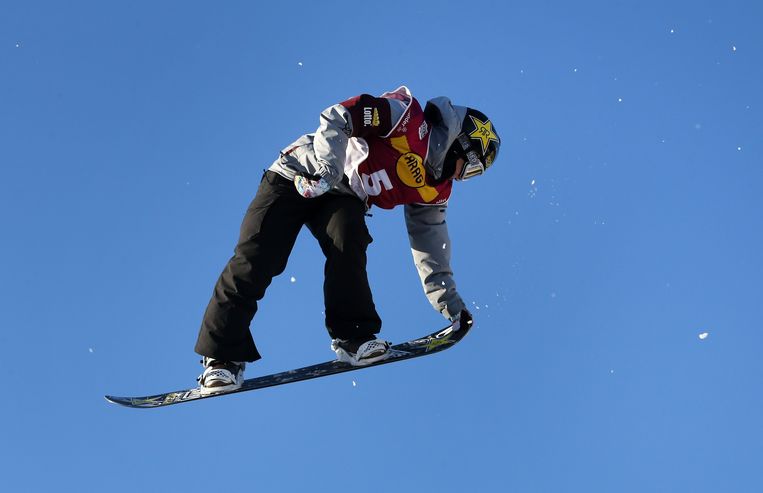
433,343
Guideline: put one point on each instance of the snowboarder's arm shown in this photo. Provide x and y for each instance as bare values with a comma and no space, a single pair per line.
430,245
361,116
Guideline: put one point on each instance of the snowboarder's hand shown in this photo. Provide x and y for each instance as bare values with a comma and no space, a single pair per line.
310,186
464,320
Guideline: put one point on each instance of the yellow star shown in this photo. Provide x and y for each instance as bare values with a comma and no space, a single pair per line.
484,132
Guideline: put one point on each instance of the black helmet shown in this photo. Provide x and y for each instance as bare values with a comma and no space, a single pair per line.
477,144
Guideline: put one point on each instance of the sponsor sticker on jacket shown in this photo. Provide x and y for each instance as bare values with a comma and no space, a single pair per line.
371,117
423,130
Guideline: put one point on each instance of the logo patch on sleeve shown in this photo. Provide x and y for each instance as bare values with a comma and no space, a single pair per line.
371,117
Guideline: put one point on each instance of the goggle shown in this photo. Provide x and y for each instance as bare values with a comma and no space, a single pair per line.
473,165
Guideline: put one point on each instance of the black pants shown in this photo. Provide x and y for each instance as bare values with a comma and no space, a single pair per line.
268,233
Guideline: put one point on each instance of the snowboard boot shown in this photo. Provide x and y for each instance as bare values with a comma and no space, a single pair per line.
361,351
220,376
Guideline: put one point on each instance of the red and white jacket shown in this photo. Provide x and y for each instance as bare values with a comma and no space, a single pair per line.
376,148
385,159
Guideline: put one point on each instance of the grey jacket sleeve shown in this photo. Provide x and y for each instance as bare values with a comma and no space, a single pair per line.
330,143
324,152
430,245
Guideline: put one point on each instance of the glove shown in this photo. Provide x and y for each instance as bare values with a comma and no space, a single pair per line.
464,320
310,186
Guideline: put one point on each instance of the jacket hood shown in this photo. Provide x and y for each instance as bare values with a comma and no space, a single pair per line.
445,119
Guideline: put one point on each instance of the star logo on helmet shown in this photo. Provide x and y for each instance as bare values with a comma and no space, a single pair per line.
484,132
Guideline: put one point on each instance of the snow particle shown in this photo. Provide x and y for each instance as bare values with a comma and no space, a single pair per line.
299,63
354,384
293,279
619,100
90,349
734,49
703,335
533,189
672,31
739,148
444,245
18,44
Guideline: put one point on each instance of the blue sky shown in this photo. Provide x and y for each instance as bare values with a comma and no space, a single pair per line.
621,222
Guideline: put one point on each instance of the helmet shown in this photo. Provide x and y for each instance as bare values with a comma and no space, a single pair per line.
477,145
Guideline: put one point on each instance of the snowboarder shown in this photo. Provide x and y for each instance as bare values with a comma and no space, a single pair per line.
383,151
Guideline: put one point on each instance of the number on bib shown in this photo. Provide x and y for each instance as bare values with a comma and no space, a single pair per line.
374,182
